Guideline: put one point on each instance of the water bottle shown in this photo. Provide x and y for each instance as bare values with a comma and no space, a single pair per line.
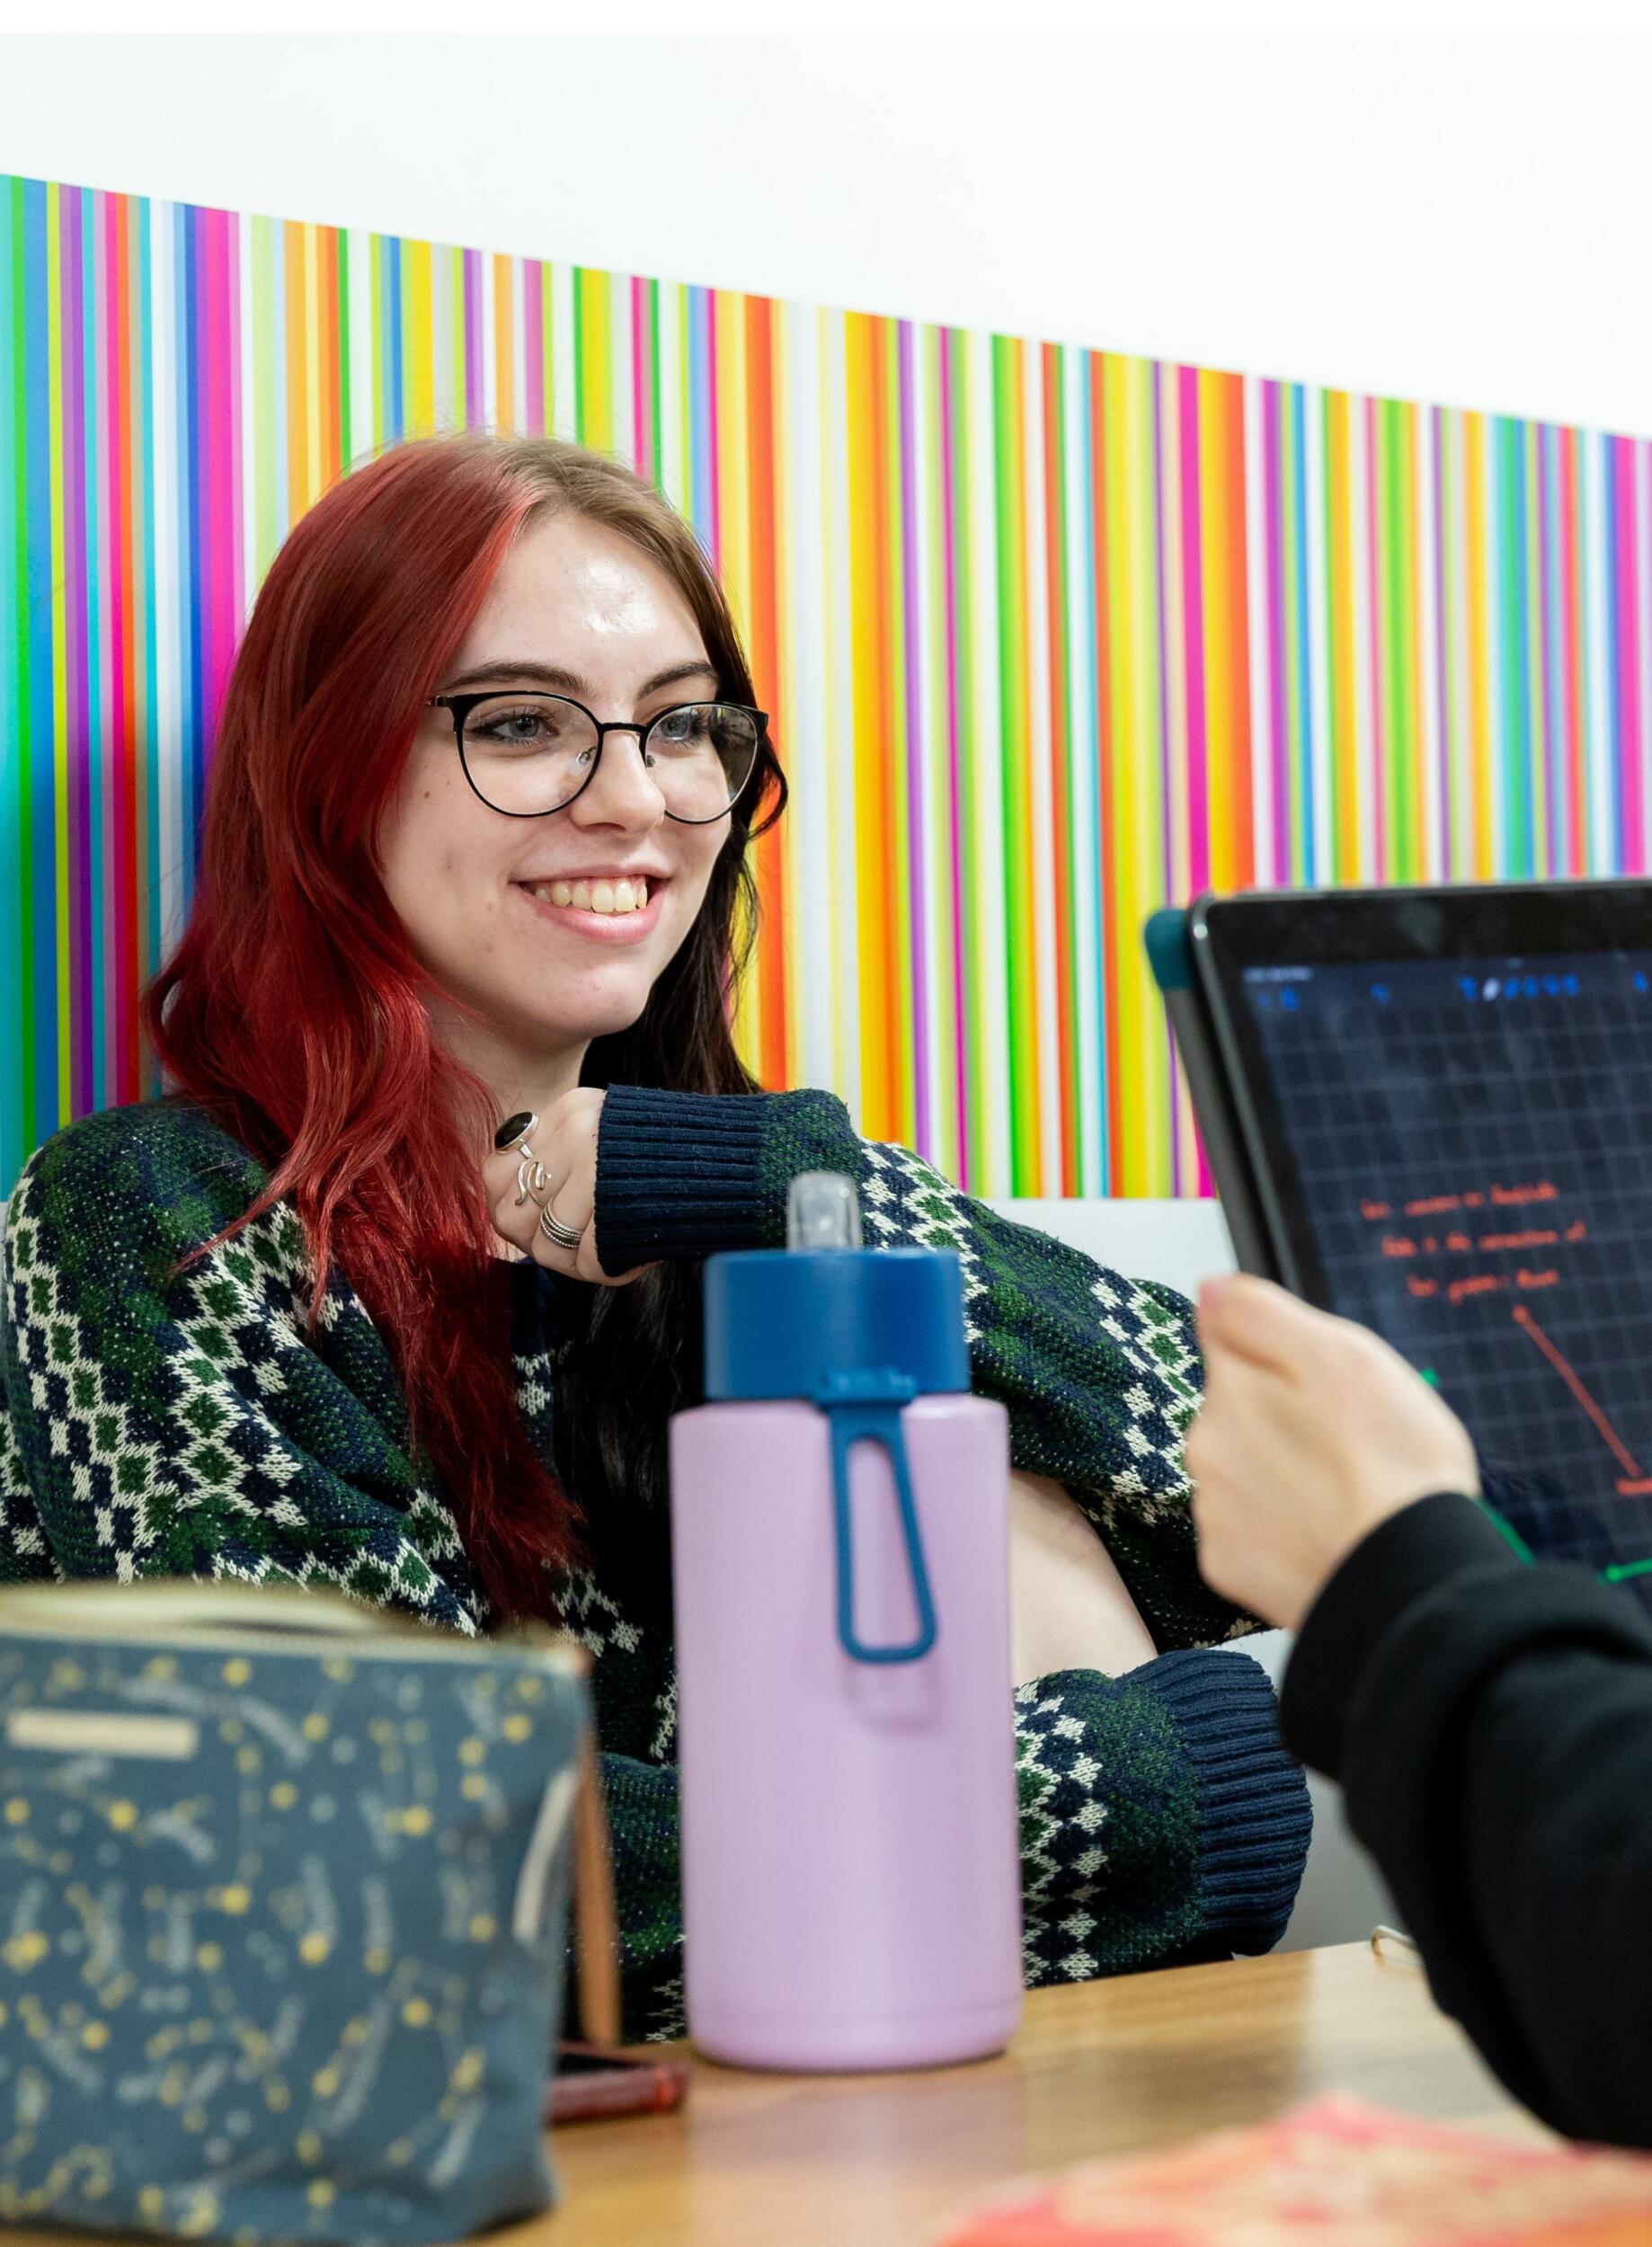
839,1507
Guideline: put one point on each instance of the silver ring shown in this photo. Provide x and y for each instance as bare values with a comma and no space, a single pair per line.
530,1178
559,1235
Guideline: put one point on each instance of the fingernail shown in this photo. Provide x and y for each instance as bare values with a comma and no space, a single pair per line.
515,1128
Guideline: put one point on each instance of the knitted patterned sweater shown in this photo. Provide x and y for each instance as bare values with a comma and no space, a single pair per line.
158,1424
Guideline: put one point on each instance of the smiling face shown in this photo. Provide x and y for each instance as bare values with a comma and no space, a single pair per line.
555,929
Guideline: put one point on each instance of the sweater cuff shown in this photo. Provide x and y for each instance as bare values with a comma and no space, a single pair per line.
682,1174
1365,1595
1255,1819
678,1174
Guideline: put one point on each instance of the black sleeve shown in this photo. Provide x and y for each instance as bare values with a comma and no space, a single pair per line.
1491,1724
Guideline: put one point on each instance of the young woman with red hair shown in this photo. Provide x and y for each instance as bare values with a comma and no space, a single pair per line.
471,876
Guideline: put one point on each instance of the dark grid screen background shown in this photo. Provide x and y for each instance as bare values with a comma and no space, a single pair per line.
1474,1139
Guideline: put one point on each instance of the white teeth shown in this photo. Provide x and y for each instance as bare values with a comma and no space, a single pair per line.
620,896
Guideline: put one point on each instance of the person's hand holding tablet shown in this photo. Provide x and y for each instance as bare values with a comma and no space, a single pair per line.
1312,1432
1390,1085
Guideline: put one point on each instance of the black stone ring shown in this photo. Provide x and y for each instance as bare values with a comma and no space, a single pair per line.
513,1130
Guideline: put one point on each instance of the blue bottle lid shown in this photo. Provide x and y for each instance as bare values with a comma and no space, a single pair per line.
858,1333
824,1315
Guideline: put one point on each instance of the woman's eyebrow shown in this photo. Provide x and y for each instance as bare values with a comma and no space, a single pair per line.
548,675
556,681
702,668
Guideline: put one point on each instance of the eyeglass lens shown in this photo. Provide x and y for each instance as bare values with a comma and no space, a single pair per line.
533,753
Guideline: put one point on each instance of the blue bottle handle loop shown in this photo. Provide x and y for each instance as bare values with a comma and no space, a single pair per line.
865,1406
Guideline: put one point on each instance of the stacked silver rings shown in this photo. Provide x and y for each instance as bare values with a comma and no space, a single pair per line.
559,1235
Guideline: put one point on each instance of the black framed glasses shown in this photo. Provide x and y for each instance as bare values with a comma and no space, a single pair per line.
526,754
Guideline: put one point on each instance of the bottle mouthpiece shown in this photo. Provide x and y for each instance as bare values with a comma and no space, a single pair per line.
822,1212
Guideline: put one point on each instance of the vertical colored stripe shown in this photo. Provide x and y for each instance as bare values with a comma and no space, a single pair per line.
1047,636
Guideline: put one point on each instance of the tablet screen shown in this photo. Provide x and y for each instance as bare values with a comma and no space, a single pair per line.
1473,1145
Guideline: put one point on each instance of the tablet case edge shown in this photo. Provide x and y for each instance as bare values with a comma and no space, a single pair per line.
1169,938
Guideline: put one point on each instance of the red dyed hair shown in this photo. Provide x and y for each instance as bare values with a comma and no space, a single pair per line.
293,1009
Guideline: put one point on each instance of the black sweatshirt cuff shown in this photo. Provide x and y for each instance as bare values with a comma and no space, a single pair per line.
1254,1820
678,1174
1410,1553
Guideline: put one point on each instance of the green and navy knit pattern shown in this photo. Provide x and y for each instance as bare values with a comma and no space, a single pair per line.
154,1423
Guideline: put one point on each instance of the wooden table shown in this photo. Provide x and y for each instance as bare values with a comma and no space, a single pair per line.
1100,2067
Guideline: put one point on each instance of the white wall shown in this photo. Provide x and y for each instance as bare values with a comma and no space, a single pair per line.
1459,219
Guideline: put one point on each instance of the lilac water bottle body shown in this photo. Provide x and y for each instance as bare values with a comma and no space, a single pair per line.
851,1873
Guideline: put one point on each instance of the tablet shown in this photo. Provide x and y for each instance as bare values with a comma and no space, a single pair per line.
1431,1110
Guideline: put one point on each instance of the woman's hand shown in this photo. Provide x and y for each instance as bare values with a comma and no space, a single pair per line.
1067,1606
1312,1432
563,1143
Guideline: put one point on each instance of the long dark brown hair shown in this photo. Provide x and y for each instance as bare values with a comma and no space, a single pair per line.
294,1011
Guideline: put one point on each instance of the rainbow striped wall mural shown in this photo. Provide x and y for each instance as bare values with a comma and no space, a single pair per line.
1052,636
